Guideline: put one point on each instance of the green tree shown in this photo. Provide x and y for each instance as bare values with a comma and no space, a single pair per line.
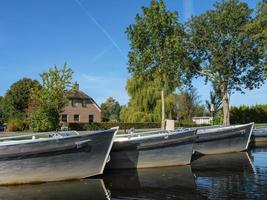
228,56
258,27
18,96
110,110
51,98
157,55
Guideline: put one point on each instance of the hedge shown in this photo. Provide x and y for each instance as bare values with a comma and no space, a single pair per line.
123,126
245,114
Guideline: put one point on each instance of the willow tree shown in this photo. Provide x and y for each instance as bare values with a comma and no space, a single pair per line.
145,102
228,55
157,53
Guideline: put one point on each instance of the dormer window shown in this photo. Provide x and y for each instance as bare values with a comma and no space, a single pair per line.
84,103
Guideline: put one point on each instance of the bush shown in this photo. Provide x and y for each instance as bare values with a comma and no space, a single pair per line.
15,124
107,125
41,121
123,126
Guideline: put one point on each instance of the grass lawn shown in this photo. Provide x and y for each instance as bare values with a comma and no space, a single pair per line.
260,125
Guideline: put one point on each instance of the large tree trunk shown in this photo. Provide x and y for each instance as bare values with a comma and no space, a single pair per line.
162,109
225,100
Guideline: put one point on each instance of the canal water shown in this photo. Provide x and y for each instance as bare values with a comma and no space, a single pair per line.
229,176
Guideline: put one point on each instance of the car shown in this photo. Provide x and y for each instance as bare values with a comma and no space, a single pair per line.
2,128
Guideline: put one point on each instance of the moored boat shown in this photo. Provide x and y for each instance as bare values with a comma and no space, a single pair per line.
48,157
227,139
152,149
260,134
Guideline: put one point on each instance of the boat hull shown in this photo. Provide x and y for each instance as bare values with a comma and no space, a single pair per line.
56,159
166,150
223,140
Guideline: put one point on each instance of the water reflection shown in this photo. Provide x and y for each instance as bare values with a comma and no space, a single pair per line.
72,190
156,183
227,176
223,164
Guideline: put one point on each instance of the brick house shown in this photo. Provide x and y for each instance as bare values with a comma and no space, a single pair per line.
81,109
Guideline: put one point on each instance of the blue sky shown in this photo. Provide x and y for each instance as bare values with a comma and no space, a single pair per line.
90,36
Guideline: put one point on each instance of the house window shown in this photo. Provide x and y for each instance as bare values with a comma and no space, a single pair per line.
76,118
64,118
91,118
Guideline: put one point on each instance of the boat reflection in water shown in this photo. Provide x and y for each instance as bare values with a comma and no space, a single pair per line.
72,190
225,176
153,183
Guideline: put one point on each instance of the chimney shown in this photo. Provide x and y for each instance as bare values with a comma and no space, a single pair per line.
76,86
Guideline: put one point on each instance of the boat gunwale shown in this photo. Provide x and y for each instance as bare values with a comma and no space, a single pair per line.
39,140
222,128
221,135
138,137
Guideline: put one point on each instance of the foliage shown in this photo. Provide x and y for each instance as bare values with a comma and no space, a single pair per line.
14,104
110,110
50,99
122,125
15,124
3,115
258,27
18,96
189,105
157,60
144,97
228,56
149,108
41,121
245,114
